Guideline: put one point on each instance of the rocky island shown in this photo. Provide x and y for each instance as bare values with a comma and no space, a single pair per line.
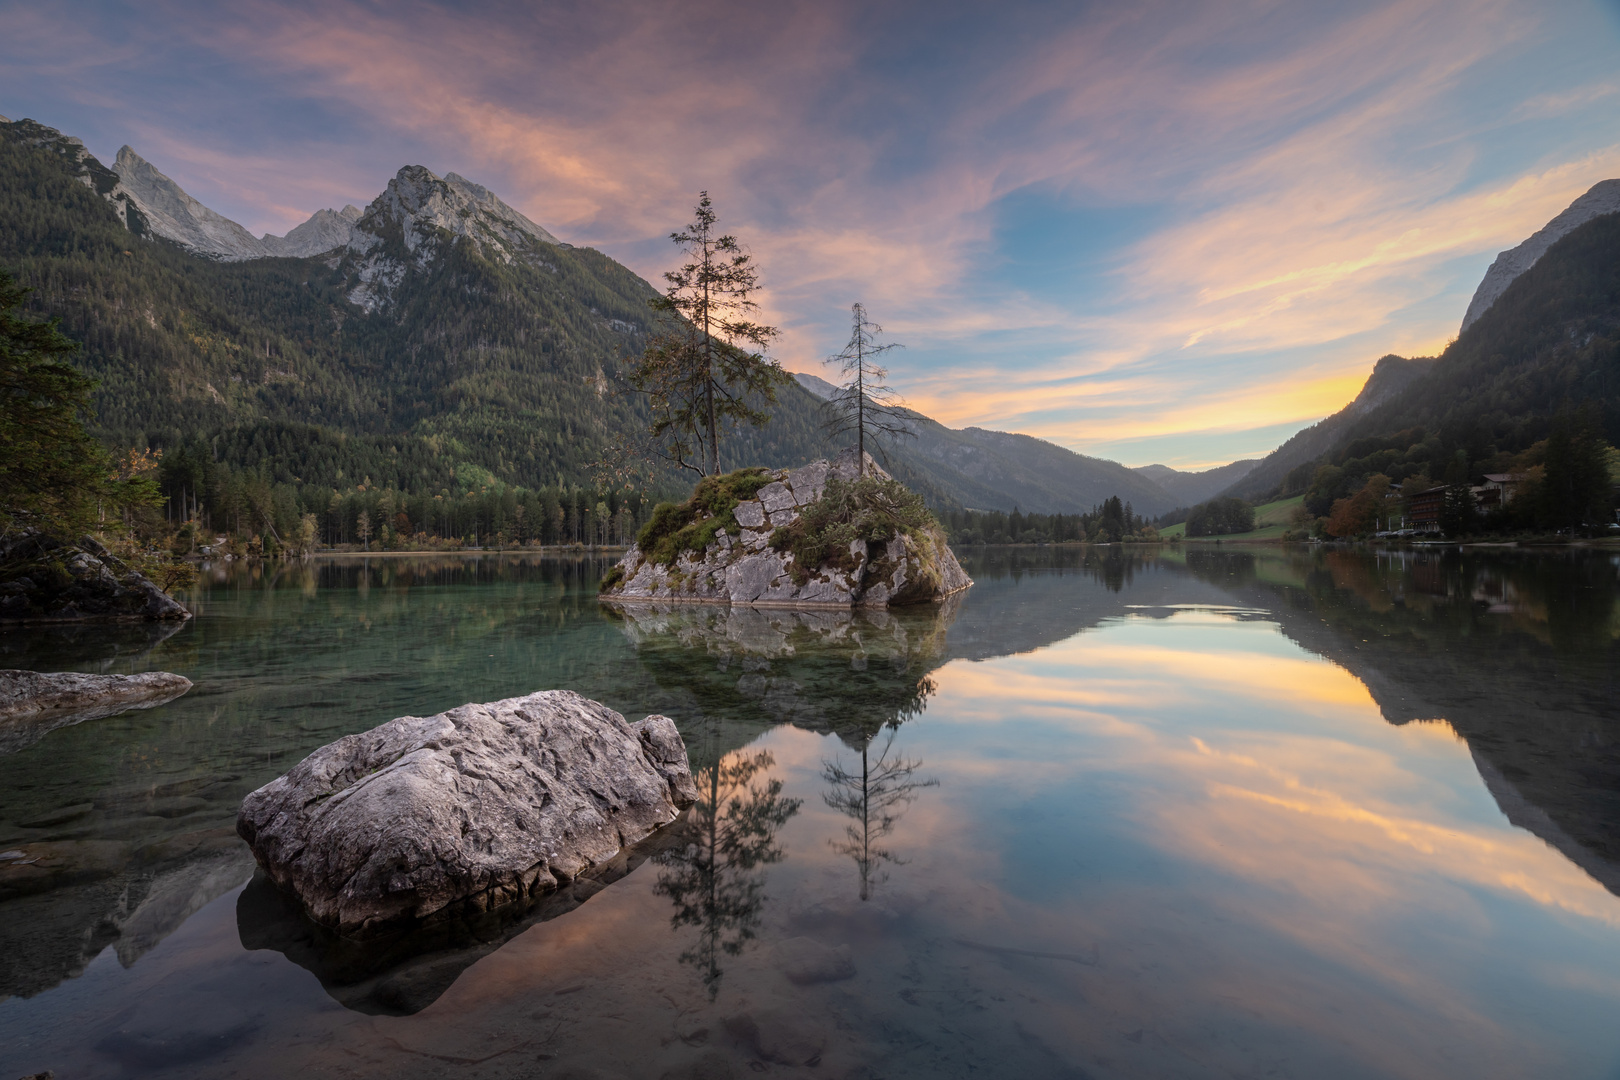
829,534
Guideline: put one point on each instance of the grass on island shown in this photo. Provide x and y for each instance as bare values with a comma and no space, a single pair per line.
692,525
1270,522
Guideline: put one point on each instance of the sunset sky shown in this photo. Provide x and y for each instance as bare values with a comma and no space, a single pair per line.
1148,231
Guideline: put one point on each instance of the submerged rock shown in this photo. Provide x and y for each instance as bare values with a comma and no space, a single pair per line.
742,566
32,703
472,809
403,972
47,580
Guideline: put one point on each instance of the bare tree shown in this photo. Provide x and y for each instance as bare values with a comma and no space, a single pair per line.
864,403
875,798
700,372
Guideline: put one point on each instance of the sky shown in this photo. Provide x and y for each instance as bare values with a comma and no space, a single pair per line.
1151,231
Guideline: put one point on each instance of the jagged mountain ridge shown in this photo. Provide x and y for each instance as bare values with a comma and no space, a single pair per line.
1601,198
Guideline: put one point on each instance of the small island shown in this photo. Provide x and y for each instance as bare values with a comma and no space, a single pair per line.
826,535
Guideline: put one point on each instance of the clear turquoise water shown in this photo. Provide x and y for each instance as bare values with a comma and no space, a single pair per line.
1223,813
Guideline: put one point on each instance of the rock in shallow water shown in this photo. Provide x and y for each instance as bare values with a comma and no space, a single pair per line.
476,807
33,703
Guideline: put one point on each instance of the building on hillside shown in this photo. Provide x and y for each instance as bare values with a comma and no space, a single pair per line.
1498,490
1423,509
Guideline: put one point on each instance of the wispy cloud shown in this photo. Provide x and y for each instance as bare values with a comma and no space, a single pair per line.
1323,180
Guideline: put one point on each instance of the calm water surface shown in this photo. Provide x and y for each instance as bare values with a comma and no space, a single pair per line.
1271,812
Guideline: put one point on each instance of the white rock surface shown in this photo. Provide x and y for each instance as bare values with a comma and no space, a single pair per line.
1602,198
484,805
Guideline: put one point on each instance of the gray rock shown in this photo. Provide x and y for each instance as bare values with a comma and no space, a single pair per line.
47,580
471,809
32,703
775,497
747,571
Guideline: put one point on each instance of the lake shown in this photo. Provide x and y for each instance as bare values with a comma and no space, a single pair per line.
1187,813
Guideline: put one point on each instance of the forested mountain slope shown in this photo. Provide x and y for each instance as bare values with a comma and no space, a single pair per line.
498,361
442,343
996,470
1549,345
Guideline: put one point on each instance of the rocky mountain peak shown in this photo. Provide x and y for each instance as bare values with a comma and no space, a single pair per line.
175,215
1602,198
422,204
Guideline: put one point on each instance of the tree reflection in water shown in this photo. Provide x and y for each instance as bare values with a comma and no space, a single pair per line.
874,798
716,880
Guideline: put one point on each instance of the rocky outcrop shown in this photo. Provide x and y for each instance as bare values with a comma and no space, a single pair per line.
32,704
469,810
47,580
1602,198
742,567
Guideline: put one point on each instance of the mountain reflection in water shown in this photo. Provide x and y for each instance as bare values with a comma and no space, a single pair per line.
1192,812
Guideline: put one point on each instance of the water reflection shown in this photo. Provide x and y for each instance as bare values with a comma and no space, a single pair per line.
1178,842
1515,650
403,973
743,670
716,880
874,799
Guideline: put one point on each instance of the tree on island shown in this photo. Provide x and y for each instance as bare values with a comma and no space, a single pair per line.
864,403
708,367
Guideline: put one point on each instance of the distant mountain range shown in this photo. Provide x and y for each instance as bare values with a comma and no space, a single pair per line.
439,338
994,470
435,338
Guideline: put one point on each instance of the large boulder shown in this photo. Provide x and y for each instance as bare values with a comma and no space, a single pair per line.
43,579
33,703
742,566
469,810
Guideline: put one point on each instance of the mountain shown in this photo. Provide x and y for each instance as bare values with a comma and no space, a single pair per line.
1276,471
464,364
1549,343
1602,198
995,470
436,341
1192,488
174,215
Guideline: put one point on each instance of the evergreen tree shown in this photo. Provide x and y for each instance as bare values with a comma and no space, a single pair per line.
53,475
699,373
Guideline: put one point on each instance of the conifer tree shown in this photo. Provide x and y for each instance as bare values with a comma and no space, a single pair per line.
864,403
53,475
709,367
